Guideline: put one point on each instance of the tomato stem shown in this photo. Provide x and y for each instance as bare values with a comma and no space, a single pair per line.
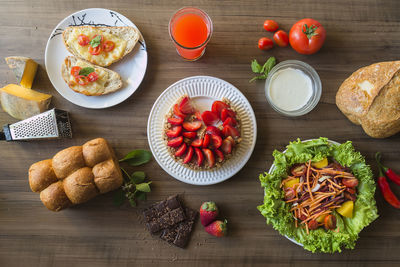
310,31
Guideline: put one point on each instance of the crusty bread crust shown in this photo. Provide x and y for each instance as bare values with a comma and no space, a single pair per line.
376,110
129,34
114,82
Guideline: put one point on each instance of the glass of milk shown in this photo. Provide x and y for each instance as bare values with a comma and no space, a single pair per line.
293,88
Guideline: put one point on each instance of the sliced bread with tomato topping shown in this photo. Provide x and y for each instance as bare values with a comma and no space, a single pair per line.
88,79
114,44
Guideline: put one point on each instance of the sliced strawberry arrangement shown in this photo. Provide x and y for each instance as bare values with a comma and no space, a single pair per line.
202,139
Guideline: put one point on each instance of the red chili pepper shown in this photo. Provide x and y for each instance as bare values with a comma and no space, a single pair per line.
385,188
389,172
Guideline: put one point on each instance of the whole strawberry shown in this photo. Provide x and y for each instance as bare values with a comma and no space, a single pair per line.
217,228
208,212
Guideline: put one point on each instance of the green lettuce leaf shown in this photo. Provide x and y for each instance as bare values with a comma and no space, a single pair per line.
277,213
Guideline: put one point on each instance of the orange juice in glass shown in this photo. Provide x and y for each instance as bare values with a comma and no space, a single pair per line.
190,28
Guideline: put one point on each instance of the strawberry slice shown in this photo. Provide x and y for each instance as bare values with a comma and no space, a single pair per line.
197,143
198,115
175,142
216,140
226,146
199,155
175,131
219,154
226,112
178,113
189,155
213,130
185,106
209,156
206,140
231,140
218,106
189,135
230,121
230,131
175,121
181,150
192,126
209,117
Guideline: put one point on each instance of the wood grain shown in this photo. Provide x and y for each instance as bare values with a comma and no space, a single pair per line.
359,32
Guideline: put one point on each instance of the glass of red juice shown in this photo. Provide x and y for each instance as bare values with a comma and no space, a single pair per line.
190,28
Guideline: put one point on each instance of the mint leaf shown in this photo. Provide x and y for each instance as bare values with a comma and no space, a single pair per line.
126,174
137,157
271,62
144,187
132,202
141,195
255,66
86,71
95,42
119,197
259,77
138,177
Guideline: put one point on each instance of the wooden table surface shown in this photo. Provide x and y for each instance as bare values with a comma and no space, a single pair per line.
97,233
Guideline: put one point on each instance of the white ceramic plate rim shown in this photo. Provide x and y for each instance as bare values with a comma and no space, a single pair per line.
113,98
245,158
271,169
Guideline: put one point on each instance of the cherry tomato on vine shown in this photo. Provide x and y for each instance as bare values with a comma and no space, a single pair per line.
270,25
281,38
265,43
307,36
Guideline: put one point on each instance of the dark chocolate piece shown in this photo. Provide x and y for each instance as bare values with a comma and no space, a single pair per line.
179,235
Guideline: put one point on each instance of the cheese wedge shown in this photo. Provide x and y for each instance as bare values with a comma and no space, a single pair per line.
24,69
22,103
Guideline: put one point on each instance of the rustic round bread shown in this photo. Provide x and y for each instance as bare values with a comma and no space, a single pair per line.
79,186
107,176
41,175
54,197
67,161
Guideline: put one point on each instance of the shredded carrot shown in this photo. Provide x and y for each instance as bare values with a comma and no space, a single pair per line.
308,179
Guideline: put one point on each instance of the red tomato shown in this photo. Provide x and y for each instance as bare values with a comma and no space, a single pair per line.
281,38
307,36
95,51
81,80
108,46
75,70
83,40
265,43
270,25
93,76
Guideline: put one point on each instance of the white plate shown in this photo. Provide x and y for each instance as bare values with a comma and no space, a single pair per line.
272,169
203,90
131,68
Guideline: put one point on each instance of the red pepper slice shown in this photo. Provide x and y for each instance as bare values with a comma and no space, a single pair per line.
389,172
388,193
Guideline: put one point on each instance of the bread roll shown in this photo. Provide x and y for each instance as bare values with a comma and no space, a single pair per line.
370,97
41,175
67,161
79,186
54,197
107,176
96,151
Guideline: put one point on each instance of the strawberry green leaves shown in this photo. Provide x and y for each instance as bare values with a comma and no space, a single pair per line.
262,70
134,187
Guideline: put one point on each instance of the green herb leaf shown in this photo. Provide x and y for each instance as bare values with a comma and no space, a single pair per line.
126,174
119,197
86,71
271,62
141,195
95,42
144,187
259,77
137,157
138,177
255,66
132,202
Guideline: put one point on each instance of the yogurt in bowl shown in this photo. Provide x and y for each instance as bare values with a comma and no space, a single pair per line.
293,88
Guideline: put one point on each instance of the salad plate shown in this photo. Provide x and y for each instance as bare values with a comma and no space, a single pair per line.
346,230
132,67
203,91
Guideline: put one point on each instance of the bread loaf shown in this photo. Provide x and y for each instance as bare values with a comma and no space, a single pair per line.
370,97
76,175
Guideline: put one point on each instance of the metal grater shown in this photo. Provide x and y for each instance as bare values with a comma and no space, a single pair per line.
47,125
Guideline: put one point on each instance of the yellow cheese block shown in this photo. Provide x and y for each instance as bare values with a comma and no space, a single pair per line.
22,103
24,69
